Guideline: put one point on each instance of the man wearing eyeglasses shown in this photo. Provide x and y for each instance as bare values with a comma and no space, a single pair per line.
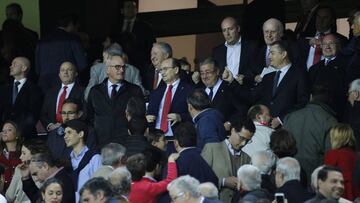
50,116
226,157
330,72
107,102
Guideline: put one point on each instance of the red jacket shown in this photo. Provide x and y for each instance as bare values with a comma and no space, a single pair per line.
345,159
147,190
9,165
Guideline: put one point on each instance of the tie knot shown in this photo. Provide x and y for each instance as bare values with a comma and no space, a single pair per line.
17,83
65,87
170,87
114,86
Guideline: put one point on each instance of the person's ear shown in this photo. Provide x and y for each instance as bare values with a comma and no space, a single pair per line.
81,134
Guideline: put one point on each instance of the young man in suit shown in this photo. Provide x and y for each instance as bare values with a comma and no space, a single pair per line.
226,157
21,100
51,111
286,89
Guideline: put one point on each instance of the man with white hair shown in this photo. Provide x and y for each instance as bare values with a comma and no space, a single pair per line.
264,161
112,157
287,179
120,179
352,111
186,189
249,181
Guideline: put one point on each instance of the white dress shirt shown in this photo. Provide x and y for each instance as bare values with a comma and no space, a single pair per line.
215,88
22,82
109,86
233,53
68,90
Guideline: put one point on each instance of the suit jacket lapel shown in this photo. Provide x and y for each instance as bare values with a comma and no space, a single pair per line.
285,79
177,94
219,92
225,149
104,90
22,91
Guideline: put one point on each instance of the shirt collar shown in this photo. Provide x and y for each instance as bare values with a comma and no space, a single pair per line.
230,148
69,86
22,81
284,69
109,84
81,154
175,83
185,148
238,43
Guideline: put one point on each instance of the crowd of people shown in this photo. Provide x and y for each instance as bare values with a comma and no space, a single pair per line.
275,120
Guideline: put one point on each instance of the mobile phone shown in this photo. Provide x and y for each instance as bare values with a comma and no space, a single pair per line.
279,197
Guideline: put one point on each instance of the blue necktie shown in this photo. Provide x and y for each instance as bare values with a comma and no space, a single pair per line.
211,93
276,81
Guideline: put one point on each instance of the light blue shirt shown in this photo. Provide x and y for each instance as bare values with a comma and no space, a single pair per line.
87,172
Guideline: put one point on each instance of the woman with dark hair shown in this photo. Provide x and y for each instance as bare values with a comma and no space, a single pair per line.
15,192
52,191
343,155
10,146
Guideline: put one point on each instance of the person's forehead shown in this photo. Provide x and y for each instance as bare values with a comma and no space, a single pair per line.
270,26
329,38
207,67
66,66
166,63
69,106
335,175
228,23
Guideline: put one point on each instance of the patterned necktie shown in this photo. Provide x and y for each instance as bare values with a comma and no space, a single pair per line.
276,81
15,91
59,107
166,109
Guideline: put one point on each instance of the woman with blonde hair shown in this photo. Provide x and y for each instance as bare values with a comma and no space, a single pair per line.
343,155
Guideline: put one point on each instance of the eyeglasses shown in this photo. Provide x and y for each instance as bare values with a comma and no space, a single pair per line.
206,73
242,138
117,67
329,44
173,199
164,69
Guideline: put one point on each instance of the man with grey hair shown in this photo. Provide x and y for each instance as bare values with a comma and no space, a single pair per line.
186,189
264,161
287,179
113,157
98,71
249,181
107,103
352,110
152,77
209,190
120,179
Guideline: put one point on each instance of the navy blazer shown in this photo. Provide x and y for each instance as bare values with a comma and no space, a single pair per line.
291,94
178,103
48,111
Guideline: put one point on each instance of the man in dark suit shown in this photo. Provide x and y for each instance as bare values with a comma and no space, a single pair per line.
167,106
305,26
21,100
227,96
236,53
286,89
42,167
59,46
136,36
51,110
331,73
107,102
325,24
287,179
186,189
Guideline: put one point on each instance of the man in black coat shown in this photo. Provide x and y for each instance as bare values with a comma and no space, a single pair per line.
287,179
107,103
286,89
236,53
51,110
21,100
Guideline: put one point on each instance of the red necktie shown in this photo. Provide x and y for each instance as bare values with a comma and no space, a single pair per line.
156,78
59,107
318,51
166,108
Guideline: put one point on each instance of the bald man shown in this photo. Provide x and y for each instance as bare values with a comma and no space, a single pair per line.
69,88
21,99
237,53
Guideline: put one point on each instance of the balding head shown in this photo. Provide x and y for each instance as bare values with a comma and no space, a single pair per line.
231,30
273,30
67,73
20,66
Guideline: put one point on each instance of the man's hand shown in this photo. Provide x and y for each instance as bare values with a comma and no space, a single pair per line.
313,41
227,75
150,118
173,157
231,182
24,170
227,126
240,78
275,122
53,126
174,118
258,78
195,77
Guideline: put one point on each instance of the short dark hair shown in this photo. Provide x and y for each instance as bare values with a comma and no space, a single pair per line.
16,7
135,107
73,101
155,135
96,185
331,9
65,19
320,93
284,46
137,126
136,164
283,143
185,134
78,125
36,145
44,157
153,157
198,99
245,123
323,173
175,63
254,111
212,62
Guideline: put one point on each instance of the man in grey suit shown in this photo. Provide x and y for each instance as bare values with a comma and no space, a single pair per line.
226,157
98,71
